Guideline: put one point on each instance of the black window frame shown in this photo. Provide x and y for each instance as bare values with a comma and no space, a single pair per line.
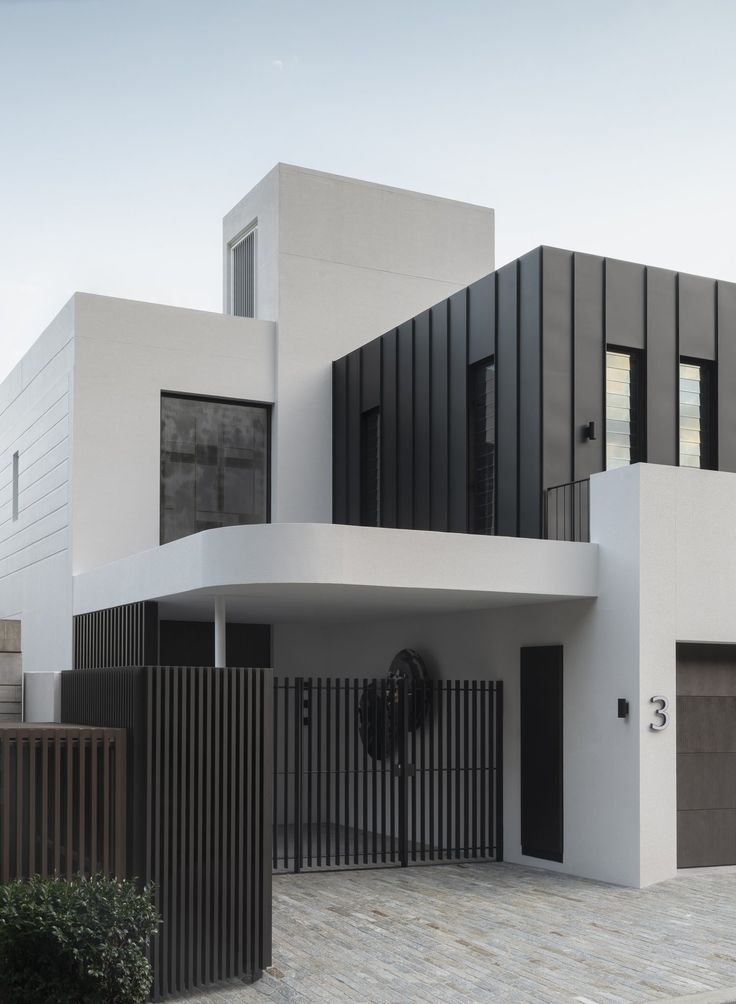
267,407
708,414
637,425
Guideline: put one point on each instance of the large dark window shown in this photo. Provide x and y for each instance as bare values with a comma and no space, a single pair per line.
482,447
370,468
214,465
623,408
696,415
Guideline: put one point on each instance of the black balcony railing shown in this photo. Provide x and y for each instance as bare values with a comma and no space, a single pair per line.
567,511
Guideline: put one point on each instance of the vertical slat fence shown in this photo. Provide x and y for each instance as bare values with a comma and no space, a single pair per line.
435,796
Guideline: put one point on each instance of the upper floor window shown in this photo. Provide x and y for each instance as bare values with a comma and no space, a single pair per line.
482,446
696,424
370,468
243,275
214,464
623,410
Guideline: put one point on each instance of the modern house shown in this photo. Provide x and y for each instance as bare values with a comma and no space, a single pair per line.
524,475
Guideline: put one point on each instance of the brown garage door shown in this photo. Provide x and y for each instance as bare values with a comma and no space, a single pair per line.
706,755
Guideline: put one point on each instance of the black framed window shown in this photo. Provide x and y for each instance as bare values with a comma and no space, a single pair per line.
624,432
482,446
697,425
370,468
214,464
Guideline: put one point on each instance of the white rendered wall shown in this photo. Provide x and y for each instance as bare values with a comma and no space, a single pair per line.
340,262
127,353
35,559
667,573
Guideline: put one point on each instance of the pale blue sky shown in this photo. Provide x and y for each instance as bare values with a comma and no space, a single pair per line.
129,127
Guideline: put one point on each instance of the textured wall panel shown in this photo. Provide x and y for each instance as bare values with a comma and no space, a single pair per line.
507,524
458,389
339,440
662,367
406,425
370,364
726,376
625,304
389,431
353,438
530,393
481,319
422,422
439,422
557,369
697,320
588,366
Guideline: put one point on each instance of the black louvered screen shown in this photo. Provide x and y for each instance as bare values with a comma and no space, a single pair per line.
482,447
199,809
244,276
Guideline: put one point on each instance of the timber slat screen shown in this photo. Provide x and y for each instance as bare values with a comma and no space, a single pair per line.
62,801
432,792
567,512
202,770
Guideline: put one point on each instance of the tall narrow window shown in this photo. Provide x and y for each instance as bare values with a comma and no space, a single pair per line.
243,275
482,446
623,429
16,460
214,465
696,426
370,468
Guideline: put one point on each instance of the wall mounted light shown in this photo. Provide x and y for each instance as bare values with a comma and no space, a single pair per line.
623,708
589,430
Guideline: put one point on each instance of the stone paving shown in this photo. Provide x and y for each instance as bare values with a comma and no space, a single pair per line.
496,933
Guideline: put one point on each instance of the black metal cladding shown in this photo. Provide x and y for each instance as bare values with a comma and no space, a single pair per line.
117,636
199,809
547,319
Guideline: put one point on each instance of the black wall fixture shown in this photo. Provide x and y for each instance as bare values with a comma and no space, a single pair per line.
541,752
546,319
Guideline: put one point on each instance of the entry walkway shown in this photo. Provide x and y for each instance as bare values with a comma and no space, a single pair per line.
494,933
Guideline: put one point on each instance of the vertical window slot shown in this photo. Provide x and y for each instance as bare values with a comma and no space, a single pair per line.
16,461
370,468
482,447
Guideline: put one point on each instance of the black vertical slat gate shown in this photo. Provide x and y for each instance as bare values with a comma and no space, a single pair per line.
198,809
435,795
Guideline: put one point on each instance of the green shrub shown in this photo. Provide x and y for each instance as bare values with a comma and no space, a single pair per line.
80,941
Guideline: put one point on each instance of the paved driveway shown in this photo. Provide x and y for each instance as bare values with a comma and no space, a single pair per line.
494,933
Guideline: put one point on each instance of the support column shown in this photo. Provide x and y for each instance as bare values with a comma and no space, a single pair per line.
220,631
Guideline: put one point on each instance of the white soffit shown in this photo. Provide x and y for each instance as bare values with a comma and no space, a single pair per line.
291,571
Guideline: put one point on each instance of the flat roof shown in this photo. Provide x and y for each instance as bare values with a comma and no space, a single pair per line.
280,572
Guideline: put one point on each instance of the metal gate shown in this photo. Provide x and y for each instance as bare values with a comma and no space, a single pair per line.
376,772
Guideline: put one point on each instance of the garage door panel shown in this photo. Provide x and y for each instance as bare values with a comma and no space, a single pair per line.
706,780
706,724
706,837
704,678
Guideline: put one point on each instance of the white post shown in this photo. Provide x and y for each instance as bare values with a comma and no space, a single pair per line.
220,631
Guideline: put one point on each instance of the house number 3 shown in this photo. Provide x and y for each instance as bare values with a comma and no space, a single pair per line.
664,721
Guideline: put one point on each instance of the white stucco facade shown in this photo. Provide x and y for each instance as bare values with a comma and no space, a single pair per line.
338,262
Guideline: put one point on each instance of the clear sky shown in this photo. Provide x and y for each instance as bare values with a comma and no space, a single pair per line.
129,127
